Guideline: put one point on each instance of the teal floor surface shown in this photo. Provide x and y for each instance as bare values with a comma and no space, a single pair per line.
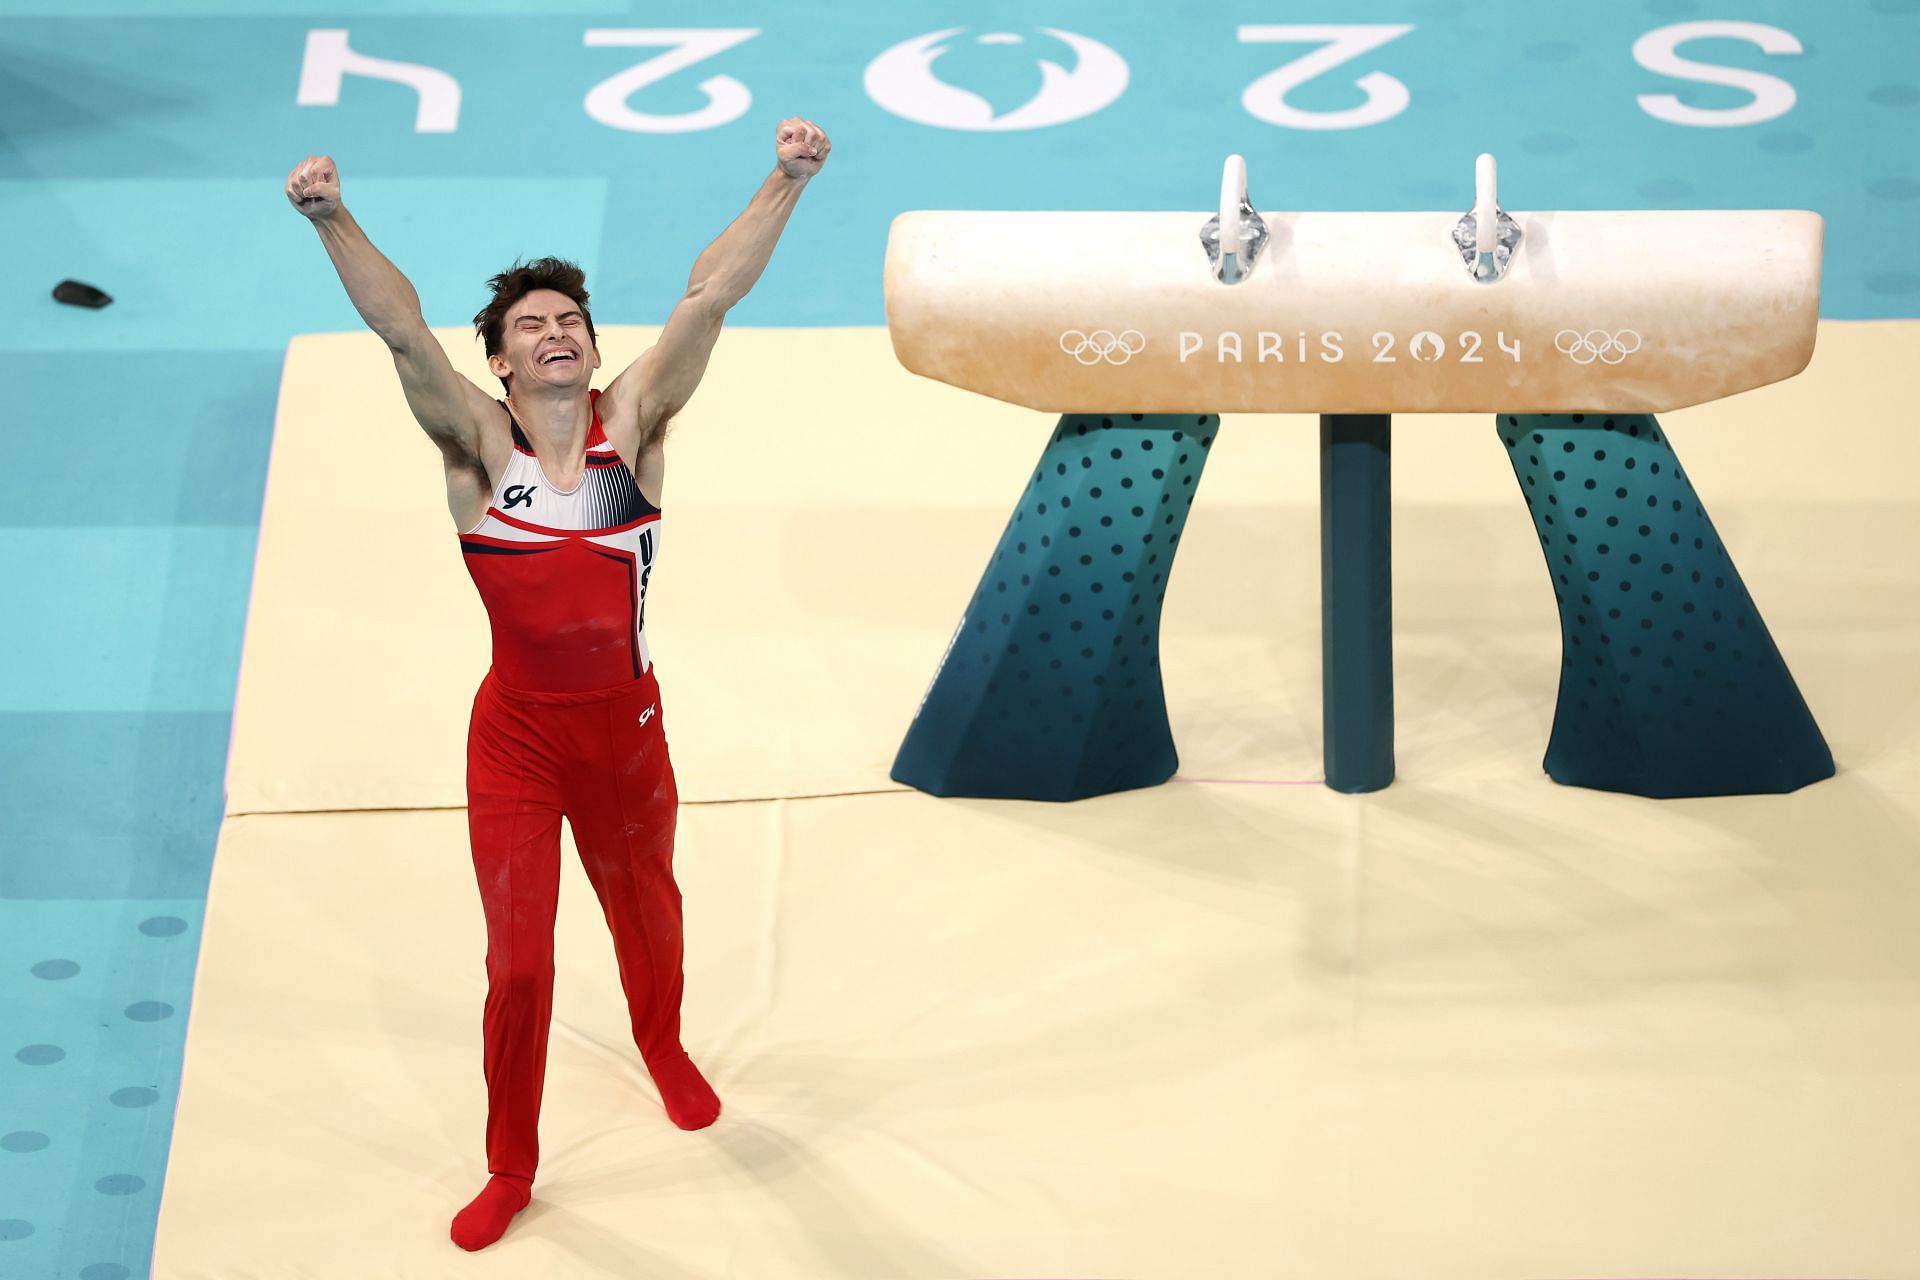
143,147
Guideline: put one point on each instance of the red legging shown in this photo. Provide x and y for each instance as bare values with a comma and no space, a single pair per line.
600,759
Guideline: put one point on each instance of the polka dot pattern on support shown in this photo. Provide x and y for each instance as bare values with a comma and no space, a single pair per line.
1051,689
1670,684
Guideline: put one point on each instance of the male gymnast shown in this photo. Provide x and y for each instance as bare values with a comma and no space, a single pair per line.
556,491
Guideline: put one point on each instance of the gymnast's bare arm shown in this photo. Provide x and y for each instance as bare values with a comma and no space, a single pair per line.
635,407
467,424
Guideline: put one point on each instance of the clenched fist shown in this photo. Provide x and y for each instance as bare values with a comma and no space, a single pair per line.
802,147
314,187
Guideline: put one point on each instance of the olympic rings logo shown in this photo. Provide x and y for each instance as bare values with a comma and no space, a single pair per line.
1596,344
1103,344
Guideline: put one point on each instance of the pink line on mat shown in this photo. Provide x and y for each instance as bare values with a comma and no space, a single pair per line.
1258,782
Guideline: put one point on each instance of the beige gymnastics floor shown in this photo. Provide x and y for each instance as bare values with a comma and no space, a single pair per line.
1476,1025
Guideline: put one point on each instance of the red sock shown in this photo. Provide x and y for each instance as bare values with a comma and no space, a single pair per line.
690,1101
485,1220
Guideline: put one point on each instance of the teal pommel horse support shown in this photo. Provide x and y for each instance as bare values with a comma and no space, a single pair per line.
1573,328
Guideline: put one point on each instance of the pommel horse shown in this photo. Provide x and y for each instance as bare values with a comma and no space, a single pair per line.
1573,328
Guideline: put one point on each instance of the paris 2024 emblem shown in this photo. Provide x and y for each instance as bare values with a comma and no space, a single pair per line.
902,81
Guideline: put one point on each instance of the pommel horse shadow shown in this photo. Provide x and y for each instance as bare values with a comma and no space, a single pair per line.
1670,684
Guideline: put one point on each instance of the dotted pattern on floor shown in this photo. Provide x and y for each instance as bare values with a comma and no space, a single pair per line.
1051,687
1670,684
94,992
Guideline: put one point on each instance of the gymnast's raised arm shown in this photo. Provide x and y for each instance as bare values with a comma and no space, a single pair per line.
635,407
460,417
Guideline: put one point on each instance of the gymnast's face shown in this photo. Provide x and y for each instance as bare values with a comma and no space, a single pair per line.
544,343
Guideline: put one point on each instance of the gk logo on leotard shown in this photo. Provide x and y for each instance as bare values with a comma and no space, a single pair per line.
646,715
519,495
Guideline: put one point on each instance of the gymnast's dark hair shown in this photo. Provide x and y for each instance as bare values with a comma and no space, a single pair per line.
521,279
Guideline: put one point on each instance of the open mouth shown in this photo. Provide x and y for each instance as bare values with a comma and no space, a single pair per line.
559,357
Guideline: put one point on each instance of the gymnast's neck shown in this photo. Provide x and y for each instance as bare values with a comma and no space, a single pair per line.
556,420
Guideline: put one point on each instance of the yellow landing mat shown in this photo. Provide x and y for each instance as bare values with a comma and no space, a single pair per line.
1481,1030
1476,1026
828,514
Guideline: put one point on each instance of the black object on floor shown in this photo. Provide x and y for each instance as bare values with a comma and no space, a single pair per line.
73,293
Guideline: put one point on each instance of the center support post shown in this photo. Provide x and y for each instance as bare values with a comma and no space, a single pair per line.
1356,600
